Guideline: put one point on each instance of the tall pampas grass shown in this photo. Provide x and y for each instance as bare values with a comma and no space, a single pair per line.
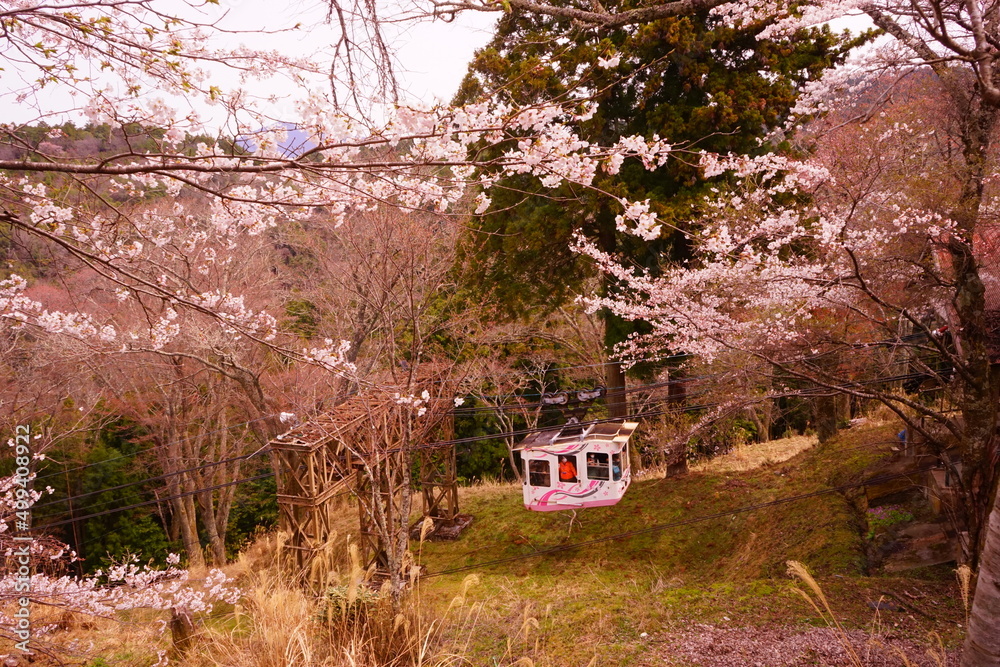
819,602
279,623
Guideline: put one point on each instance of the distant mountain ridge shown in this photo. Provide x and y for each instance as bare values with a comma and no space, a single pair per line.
296,142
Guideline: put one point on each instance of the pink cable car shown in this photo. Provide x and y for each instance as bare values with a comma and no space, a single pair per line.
576,466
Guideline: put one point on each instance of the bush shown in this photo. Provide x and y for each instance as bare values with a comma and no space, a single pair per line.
351,601
885,516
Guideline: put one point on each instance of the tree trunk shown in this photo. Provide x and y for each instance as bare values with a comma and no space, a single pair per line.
513,461
181,633
979,397
843,409
616,329
825,414
216,543
761,418
677,462
615,383
184,515
982,643
401,538
223,507
173,525
614,374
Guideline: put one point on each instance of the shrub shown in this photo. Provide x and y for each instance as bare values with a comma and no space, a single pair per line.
885,516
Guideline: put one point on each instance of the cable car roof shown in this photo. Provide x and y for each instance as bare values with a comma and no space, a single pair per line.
611,432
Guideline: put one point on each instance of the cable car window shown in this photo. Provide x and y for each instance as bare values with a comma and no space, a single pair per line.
597,466
616,466
567,469
538,473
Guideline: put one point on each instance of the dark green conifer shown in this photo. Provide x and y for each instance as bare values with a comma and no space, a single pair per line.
691,80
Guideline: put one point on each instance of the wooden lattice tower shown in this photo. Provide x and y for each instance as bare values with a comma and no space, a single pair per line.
384,484
438,475
312,467
366,446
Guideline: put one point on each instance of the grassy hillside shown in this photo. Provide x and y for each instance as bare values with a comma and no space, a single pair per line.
599,599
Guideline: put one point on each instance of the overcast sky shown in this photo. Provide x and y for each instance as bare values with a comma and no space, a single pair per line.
431,56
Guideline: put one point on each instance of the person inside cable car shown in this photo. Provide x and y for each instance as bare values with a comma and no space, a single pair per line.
567,470
597,466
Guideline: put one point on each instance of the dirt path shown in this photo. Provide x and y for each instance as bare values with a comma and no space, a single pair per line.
717,646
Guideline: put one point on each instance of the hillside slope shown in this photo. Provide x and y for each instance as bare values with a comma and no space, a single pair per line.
723,566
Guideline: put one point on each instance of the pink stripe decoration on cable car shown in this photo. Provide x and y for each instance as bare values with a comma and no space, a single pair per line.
590,489
570,449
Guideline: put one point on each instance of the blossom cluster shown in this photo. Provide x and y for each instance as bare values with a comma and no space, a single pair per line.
124,587
418,405
128,585
416,160
166,261
783,18
772,252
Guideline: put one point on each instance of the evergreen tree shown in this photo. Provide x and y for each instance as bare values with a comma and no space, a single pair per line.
691,80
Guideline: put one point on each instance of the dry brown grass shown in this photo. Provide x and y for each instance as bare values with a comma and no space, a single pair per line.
964,574
822,607
749,457
280,624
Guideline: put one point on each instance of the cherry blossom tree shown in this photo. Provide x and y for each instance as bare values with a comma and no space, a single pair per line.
35,569
122,587
800,261
416,159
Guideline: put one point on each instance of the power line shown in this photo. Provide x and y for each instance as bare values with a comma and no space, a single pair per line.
247,456
885,342
507,434
228,428
243,457
473,410
150,479
466,440
433,445
640,415
556,368
570,392
149,449
261,476
156,500
618,536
